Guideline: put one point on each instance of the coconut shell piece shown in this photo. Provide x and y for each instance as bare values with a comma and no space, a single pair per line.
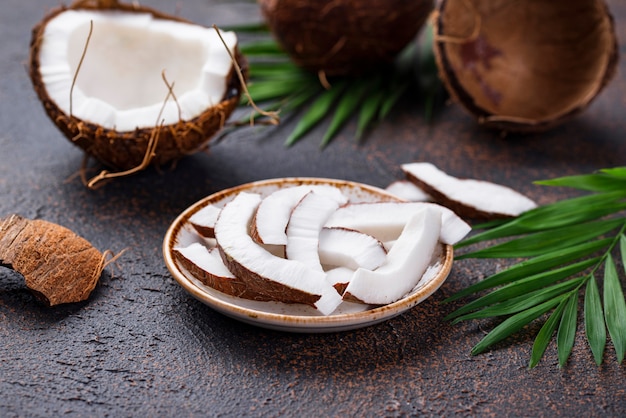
127,150
524,65
339,37
58,265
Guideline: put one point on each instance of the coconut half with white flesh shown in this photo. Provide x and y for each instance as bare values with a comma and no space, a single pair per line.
469,198
281,279
406,262
132,86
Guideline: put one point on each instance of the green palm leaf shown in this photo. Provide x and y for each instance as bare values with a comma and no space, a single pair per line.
556,242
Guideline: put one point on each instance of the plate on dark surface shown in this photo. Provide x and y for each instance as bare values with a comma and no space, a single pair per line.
296,317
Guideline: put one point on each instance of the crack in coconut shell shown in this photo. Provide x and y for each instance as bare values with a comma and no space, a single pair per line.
524,66
58,265
125,150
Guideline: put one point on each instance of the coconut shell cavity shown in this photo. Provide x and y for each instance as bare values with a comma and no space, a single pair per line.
525,65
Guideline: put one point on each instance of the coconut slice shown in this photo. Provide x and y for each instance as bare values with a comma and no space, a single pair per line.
125,82
207,266
473,199
386,220
351,249
203,221
281,279
407,190
272,216
406,262
304,227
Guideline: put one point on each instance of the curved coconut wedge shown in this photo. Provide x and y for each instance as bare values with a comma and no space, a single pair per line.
204,220
272,216
207,266
406,262
281,279
304,227
386,220
130,85
343,247
473,199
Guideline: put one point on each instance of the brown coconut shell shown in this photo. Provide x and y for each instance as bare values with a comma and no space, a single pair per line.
524,65
339,37
127,150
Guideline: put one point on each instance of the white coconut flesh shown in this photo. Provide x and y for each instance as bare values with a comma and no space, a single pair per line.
386,220
272,216
484,196
406,262
209,260
120,83
407,190
204,220
259,268
350,249
304,227
339,276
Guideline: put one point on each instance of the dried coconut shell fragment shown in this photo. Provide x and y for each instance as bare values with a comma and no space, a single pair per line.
58,265
172,120
524,65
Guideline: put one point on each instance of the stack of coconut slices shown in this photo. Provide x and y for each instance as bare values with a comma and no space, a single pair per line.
310,244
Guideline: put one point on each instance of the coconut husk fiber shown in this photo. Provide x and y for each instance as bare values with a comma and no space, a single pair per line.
524,65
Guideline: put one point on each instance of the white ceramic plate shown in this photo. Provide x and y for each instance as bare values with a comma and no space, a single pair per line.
296,317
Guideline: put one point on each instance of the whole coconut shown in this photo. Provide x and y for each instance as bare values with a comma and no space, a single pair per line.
339,37
524,65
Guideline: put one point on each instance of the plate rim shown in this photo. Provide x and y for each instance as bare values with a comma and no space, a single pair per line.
283,321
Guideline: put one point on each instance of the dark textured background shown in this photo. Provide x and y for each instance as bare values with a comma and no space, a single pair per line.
142,346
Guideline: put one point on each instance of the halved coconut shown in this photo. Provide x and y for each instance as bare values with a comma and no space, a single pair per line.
129,84
406,262
525,65
283,280
473,199
207,266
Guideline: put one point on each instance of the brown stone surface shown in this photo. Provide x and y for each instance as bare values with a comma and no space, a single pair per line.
141,346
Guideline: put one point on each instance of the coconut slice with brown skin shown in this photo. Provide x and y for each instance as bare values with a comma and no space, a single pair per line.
352,249
204,220
386,220
280,279
271,218
304,227
207,266
406,262
524,65
471,199
133,86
